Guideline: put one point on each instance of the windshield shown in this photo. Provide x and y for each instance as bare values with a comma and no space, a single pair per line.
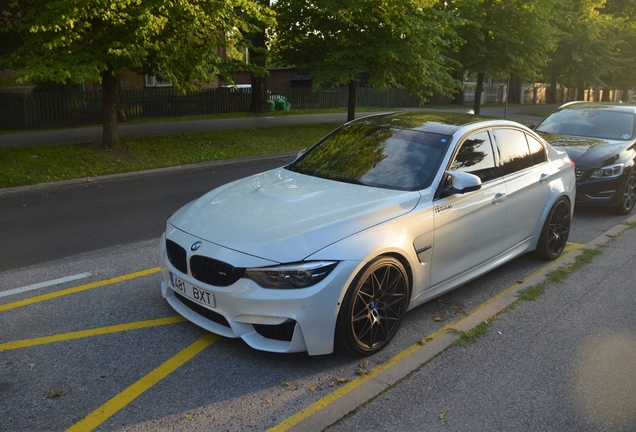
376,156
595,123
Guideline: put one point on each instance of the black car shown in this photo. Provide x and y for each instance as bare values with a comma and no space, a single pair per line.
600,139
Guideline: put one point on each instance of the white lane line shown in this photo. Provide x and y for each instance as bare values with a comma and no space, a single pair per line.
45,284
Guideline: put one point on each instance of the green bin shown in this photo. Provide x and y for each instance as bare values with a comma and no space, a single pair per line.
281,104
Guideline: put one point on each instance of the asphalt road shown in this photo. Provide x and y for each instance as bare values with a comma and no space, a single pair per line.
44,224
70,350
518,378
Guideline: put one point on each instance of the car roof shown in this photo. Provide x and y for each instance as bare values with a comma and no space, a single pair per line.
434,122
629,108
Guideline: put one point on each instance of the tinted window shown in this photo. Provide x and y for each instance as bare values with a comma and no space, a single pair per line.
590,122
376,156
515,154
537,151
476,157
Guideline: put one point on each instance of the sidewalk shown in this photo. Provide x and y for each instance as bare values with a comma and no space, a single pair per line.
565,362
90,134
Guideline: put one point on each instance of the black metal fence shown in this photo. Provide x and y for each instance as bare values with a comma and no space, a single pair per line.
46,110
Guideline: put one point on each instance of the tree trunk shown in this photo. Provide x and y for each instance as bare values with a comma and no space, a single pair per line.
478,91
458,97
259,97
606,95
625,94
110,138
514,90
258,56
121,108
580,96
351,101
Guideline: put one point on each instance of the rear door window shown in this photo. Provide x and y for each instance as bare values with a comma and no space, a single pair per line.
537,151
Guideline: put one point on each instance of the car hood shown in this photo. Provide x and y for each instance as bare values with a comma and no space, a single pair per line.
587,150
284,216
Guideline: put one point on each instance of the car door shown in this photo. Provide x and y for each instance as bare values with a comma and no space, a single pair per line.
469,227
526,174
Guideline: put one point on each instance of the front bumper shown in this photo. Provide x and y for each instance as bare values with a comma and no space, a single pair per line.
275,320
600,192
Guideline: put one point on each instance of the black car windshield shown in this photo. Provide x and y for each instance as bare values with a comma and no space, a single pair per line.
376,156
595,123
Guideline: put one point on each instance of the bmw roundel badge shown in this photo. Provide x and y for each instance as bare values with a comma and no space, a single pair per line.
195,246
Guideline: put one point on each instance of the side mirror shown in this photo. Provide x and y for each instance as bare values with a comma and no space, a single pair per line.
461,182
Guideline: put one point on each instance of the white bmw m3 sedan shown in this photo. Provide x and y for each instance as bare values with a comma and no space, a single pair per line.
380,216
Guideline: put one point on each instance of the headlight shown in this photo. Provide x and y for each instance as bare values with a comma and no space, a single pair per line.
608,171
297,275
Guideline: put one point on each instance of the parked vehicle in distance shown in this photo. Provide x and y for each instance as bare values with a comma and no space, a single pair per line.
599,138
632,99
380,216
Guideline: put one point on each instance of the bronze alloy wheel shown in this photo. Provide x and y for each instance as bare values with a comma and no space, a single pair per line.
373,307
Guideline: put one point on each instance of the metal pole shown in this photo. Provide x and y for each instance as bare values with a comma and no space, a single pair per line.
507,94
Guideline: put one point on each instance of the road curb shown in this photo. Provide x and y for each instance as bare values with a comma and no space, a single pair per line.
325,412
147,172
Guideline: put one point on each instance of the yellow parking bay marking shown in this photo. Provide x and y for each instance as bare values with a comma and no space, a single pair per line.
352,385
118,402
89,333
77,289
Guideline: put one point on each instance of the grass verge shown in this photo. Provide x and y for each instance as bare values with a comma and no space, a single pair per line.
33,165
532,293
471,336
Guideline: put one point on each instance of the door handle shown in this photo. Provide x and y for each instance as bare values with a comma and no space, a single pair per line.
544,178
499,198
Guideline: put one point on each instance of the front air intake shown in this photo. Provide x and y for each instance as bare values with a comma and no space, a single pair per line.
281,332
203,311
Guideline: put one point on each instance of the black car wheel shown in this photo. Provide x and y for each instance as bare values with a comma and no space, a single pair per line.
629,196
555,232
373,307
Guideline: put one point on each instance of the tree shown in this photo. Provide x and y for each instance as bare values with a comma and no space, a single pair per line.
96,40
394,43
504,38
587,47
623,15
258,56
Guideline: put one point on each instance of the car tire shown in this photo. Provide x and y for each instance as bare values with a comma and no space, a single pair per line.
628,196
373,307
555,231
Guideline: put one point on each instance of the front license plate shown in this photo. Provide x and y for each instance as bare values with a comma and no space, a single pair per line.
192,292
